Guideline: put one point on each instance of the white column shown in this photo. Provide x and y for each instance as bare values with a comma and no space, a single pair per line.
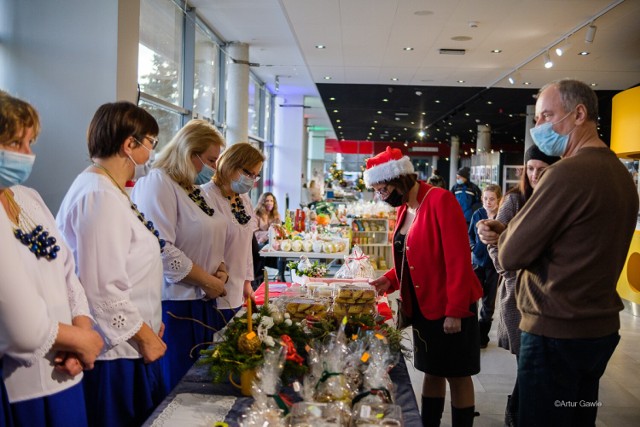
483,140
529,123
315,154
238,94
453,159
434,163
289,137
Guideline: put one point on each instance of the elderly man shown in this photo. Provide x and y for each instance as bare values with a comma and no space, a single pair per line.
570,242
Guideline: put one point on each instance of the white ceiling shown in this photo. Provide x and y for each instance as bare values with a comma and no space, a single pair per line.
364,42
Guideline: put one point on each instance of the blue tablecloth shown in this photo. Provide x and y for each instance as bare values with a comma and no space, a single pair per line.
198,381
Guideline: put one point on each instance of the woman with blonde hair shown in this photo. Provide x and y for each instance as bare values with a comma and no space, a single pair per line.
193,262
238,170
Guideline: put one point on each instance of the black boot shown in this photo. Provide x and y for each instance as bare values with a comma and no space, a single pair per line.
485,327
462,417
432,408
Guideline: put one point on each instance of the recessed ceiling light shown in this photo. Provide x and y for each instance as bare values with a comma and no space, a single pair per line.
594,84
338,121
496,51
375,121
466,114
407,48
385,100
327,77
339,127
320,46
335,111
332,99
373,127
437,101
489,102
460,81
394,79
379,112
526,83
583,53
424,114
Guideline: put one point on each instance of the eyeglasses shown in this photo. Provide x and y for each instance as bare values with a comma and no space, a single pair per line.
383,192
253,176
154,142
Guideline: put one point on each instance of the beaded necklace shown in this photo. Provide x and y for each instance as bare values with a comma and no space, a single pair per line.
37,240
237,209
140,215
196,195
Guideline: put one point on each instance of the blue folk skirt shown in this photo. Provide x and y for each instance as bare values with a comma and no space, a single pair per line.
5,409
185,336
122,392
63,409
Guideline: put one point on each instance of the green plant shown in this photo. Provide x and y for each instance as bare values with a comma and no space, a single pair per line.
315,270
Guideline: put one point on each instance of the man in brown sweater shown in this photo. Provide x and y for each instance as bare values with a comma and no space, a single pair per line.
569,243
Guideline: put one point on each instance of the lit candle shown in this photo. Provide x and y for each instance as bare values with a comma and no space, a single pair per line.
266,288
249,319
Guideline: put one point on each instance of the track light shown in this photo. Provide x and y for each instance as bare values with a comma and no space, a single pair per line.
591,33
547,60
512,80
562,49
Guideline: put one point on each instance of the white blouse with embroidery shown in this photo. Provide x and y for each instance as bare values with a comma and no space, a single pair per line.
237,253
118,261
190,234
35,295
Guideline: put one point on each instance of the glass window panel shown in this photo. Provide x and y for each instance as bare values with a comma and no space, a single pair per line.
160,50
206,79
168,121
267,115
254,106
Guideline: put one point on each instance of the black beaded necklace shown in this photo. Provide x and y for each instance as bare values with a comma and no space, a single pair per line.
139,214
196,195
38,240
237,209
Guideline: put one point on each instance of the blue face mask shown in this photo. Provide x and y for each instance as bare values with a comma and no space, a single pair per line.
15,168
548,140
459,181
242,185
205,174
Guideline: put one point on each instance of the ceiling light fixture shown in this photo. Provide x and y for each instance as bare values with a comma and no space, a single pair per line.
583,53
496,51
562,49
408,48
421,134
512,79
460,81
591,33
394,79
320,46
327,77
548,63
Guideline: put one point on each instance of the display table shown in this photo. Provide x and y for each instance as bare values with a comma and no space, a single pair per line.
197,402
267,252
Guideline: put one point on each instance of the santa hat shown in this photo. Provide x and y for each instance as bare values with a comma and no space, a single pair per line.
386,166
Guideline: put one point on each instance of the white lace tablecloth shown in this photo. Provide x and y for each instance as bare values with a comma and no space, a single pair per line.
194,410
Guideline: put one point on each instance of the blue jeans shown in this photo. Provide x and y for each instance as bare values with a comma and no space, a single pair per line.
559,379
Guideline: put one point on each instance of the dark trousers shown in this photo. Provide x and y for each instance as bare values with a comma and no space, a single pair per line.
559,378
488,277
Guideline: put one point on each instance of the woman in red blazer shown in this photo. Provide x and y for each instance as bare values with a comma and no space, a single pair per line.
439,291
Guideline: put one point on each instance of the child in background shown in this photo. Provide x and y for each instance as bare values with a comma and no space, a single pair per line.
482,264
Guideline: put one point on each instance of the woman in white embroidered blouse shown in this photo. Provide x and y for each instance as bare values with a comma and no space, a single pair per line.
194,232
46,330
117,254
239,168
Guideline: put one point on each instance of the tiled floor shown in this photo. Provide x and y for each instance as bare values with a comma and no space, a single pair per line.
619,387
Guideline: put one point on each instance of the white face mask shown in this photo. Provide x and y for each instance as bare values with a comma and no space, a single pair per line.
143,169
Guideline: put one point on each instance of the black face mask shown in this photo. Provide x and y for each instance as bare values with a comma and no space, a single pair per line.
394,199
